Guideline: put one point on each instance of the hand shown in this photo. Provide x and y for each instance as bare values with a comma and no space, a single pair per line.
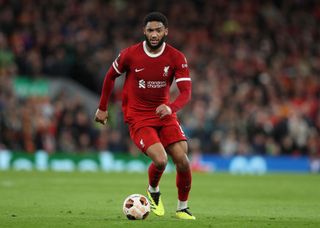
163,110
101,116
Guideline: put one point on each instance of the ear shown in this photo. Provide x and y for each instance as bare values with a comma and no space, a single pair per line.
144,30
166,31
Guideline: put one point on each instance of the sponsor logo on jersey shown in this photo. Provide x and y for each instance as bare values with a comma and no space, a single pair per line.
152,84
142,84
156,84
166,70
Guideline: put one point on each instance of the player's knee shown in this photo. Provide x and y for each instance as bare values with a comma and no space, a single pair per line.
183,164
161,163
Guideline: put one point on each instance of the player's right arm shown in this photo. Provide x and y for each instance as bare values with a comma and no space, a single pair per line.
117,68
108,85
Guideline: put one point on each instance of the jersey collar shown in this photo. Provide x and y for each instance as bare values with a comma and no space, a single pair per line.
152,55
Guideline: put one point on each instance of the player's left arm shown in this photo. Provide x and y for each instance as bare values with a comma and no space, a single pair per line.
183,81
183,97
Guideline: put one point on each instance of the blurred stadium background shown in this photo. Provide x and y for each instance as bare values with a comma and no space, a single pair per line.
255,67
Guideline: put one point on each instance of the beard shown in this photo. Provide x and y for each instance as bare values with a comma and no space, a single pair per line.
157,46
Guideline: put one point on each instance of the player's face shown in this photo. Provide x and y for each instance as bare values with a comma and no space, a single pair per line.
155,34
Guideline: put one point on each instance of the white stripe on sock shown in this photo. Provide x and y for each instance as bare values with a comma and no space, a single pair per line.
182,205
153,190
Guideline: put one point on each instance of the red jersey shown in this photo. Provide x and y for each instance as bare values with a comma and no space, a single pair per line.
148,80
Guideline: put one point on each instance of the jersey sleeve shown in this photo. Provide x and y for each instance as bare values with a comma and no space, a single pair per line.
181,69
121,62
118,67
183,80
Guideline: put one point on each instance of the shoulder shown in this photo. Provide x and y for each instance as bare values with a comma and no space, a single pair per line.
132,49
173,50
176,54
127,54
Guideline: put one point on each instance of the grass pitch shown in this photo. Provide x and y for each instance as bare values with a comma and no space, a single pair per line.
48,199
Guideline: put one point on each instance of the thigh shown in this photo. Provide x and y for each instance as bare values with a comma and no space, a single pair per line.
178,151
158,155
144,137
171,133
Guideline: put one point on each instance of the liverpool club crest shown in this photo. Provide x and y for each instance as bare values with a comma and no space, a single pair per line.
166,70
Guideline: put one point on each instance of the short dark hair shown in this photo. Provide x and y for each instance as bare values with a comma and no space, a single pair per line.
156,16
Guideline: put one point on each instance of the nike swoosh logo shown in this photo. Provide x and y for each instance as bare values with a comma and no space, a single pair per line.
138,70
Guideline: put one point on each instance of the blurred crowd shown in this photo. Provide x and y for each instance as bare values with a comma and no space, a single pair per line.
255,68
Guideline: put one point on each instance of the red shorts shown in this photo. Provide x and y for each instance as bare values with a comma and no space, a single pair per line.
166,133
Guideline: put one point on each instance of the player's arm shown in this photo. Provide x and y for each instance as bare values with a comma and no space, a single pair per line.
182,99
101,115
114,71
184,95
183,81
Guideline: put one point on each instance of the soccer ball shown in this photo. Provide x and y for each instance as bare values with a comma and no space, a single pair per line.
136,206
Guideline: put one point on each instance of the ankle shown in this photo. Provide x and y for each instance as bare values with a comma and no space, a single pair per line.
153,189
182,205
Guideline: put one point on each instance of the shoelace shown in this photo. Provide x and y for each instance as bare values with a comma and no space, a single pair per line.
185,210
155,196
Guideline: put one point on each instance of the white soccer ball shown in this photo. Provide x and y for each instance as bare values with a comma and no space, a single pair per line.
136,206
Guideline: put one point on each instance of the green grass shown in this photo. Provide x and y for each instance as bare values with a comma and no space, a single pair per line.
48,199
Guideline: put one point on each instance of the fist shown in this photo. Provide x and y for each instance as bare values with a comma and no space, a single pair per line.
101,116
163,110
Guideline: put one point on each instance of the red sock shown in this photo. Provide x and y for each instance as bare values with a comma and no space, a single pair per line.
183,182
154,175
